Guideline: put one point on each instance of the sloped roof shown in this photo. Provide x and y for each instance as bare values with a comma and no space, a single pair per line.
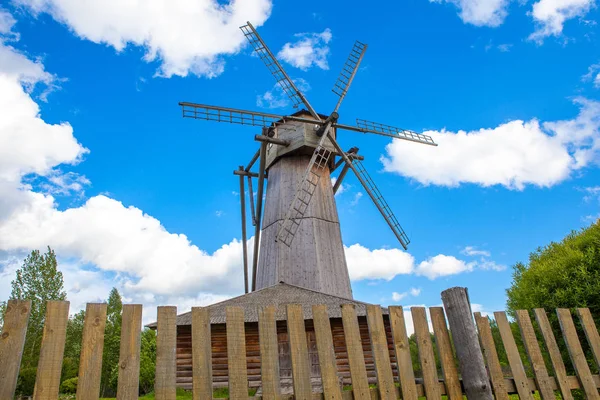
278,295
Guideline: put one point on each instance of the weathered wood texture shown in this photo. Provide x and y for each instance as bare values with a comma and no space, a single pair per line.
446,354
49,368
12,341
299,352
92,347
402,349
576,352
329,377
356,358
381,353
166,354
269,353
491,356
536,360
316,259
514,358
236,351
201,353
558,365
472,367
426,356
129,355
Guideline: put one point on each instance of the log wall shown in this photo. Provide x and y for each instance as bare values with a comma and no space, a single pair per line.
219,353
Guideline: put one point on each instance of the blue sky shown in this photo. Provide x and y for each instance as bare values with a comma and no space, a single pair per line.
100,165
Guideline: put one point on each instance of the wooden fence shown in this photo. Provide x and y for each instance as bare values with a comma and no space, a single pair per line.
450,383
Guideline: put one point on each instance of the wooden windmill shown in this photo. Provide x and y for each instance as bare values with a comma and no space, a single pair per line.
301,240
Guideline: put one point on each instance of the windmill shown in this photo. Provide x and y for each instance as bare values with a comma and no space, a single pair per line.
301,238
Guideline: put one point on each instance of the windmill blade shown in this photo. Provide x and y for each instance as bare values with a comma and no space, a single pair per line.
365,179
365,126
304,191
231,115
349,69
276,69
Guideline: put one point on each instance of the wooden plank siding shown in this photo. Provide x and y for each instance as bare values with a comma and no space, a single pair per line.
219,353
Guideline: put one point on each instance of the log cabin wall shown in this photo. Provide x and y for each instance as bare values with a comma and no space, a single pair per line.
219,353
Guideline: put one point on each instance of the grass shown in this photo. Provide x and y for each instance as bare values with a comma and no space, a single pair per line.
221,393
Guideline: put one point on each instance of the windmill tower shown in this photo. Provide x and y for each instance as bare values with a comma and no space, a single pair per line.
298,231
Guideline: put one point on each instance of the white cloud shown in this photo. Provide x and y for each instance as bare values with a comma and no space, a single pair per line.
591,193
514,154
550,16
187,36
443,265
480,12
7,22
364,263
276,98
343,187
473,251
415,292
310,49
356,199
399,296
505,47
593,75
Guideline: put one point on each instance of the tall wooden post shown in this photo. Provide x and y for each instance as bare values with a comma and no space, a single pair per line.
466,343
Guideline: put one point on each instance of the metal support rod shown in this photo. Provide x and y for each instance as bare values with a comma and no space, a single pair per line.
266,139
259,195
251,193
340,178
254,158
244,244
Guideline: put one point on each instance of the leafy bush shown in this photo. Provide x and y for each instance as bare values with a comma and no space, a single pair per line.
26,381
69,386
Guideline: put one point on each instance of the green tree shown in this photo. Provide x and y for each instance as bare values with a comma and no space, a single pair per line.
112,337
38,280
147,361
73,346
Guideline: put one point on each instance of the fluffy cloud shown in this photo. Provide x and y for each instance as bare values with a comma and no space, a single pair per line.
412,292
480,12
310,49
593,75
276,98
473,251
442,265
514,154
550,16
364,263
187,36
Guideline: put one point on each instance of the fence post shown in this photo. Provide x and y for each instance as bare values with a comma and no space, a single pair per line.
466,343
11,345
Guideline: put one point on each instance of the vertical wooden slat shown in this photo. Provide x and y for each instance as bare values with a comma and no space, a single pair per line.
534,353
128,385
560,372
426,356
356,357
591,333
514,359
491,356
201,354
442,339
329,377
576,353
269,353
381,354
92,346
299,352
402,348
166,353
47,380
236,353
11,345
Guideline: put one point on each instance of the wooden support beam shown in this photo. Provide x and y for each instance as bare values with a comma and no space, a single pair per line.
201,354
340,178
253,160
49,368
90,362
259,198
128,385
244,244
166,343
251,195
466,342
11,345
248,174
276,141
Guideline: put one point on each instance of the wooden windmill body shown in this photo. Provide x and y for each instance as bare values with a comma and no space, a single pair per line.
297,239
